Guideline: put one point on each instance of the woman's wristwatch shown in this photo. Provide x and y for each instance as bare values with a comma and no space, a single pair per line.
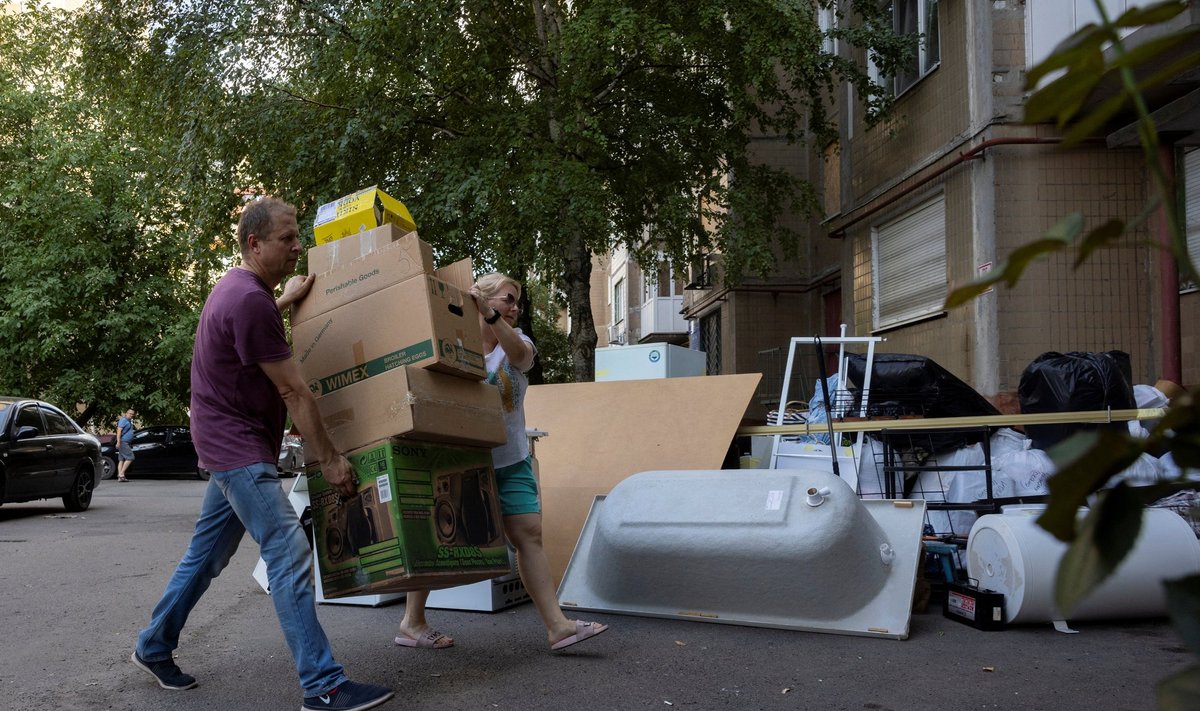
493,318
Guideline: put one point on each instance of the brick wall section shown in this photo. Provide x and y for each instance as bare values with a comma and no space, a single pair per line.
1008,60
945,338
1189,316
1106,304
928,117
794,159
764,321
601,309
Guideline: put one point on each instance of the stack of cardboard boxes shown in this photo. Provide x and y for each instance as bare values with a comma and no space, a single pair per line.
392,349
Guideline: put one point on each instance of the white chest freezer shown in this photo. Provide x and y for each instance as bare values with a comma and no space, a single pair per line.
647,361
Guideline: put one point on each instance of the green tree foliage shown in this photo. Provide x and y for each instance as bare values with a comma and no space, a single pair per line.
527,134
99,281
554,356
1088,461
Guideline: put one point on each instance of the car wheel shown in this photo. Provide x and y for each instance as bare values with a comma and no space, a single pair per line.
79,498
109,468
202,474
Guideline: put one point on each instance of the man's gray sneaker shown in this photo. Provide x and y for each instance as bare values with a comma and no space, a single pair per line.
166,672
349,696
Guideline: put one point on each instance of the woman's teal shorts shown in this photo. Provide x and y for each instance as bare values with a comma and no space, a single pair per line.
518,489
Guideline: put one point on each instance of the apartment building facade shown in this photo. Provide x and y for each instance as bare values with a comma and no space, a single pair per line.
949,186
944,190
953,183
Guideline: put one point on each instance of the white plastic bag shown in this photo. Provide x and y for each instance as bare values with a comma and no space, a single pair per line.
1023,473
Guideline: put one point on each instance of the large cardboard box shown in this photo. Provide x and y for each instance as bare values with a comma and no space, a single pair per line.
391,264
331,255
579,418
421,322
364,210
426,516
417,404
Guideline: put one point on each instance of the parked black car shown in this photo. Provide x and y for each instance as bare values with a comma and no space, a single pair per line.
164,449
45,455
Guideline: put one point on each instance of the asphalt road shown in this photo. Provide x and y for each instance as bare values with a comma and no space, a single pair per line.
76,588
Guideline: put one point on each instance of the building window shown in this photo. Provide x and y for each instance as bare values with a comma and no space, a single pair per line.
661,285
908,260
618,302
912,17
1048,22
917,17
1191,209
827,21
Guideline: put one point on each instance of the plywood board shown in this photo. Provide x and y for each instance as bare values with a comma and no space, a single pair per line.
600,433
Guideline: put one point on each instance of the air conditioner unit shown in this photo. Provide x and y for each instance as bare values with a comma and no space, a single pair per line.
617,334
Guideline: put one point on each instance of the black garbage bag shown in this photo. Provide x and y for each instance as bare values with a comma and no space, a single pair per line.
1075,382
912,385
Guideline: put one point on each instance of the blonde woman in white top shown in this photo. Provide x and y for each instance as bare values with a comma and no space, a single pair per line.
508,354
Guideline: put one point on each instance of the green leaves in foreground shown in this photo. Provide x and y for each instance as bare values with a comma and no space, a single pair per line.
1059,237
1179,692
1106,536
1183,604
1090,63
1086,461
1064,235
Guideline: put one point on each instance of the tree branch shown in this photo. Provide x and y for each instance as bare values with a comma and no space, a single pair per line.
306,100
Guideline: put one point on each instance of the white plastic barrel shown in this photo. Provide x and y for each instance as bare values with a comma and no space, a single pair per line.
1009,553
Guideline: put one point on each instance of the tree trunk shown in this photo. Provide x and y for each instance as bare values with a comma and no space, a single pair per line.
83,417
578,278
536,373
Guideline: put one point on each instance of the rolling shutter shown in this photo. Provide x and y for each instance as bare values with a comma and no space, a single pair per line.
909,260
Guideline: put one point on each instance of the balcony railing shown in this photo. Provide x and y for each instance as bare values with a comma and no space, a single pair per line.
661,318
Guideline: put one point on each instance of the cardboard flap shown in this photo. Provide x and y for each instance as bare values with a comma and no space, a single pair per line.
601,433
460,274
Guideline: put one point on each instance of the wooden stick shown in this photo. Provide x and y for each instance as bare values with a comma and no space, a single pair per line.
933,423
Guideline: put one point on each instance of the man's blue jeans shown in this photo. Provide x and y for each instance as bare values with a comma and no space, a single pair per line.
249,499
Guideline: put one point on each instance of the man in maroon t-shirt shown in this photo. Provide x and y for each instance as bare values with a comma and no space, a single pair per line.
244,383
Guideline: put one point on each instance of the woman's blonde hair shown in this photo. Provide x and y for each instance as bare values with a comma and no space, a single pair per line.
491,284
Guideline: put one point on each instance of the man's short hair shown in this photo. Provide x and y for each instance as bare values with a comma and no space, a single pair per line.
258,217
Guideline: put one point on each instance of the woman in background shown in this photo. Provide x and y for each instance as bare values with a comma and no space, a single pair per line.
508,354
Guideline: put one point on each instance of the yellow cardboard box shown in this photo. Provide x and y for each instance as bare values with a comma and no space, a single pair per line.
393,263
426,516
331,255
421,322
364,210
416,404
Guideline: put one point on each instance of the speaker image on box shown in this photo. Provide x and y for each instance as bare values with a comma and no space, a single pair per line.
463,508
355,524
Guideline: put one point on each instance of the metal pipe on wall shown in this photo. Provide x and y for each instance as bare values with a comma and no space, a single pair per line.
1168,297
972,154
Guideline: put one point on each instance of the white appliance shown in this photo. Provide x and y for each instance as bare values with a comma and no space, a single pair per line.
648,361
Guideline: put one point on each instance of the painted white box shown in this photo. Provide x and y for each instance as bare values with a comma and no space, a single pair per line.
648,361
